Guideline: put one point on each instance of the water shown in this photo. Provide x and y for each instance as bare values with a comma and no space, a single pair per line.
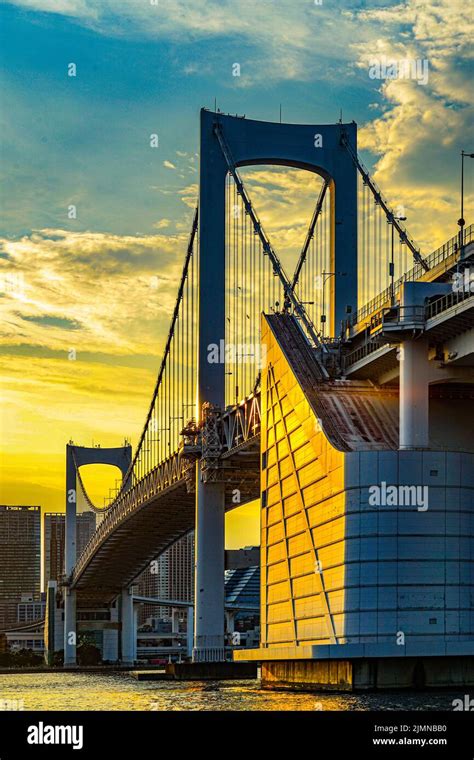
119,691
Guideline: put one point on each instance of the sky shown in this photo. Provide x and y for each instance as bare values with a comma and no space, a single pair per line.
100,287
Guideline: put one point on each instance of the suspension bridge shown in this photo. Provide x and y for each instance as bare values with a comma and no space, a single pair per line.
303,390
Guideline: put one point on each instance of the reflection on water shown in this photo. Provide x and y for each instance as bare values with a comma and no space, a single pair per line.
119,691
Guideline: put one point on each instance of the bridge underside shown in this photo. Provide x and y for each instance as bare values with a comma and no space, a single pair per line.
137,541
156,523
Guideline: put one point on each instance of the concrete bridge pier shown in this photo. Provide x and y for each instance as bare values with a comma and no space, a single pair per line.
230,621
128,627
190,632
209,580
135,633
53,624
414,394
174,620
70,632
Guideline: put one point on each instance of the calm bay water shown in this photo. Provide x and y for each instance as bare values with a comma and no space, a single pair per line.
119,691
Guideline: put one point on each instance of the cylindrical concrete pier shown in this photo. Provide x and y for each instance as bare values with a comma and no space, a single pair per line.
128,633
414,395
209,580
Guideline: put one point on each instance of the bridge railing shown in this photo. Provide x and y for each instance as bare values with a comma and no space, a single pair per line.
391,315
242,422
436,257
163,475
443,303
360,353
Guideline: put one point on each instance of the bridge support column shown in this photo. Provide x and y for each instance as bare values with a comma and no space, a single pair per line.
50,635
230,621
128,632
174,620
70,633
135,633
414,394
190,632
209,580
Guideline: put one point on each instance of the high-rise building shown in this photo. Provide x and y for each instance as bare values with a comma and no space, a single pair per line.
30,609
86,523
54,525
169,576
54,531
20,559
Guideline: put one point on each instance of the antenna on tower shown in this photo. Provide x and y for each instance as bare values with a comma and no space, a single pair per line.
280,113
340,116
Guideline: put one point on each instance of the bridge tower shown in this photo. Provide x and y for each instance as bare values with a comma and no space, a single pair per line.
76,456
228,141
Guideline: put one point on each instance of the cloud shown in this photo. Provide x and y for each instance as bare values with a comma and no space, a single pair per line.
105,285
46,402
169,165
279,41
419,133
111,294
189,196
82,9
162,224
110,299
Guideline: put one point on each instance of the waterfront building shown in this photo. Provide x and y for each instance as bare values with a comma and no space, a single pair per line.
20,567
